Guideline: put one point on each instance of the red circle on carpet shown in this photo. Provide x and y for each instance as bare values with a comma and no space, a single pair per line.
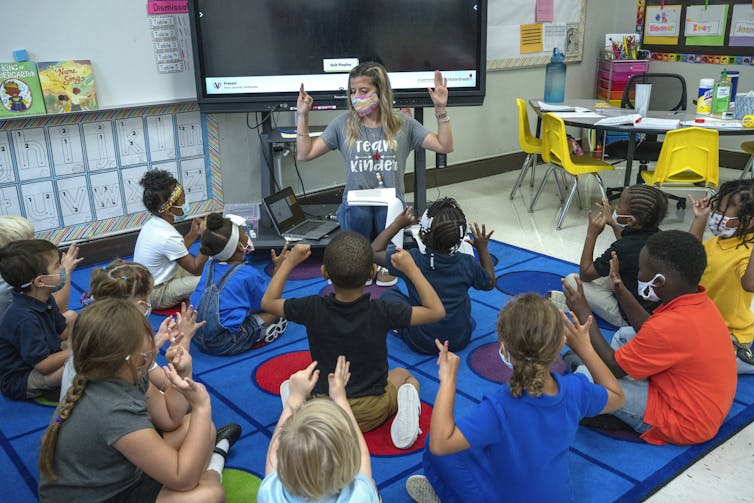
271,374
485,362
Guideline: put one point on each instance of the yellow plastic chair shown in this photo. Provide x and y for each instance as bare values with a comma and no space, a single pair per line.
557,152
529,143
748,147
689,159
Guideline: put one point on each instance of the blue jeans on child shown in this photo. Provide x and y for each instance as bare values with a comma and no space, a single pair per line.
632,413
362,219
213,338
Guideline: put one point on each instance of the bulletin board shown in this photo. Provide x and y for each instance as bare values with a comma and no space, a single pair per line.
698,31
76,176
522,33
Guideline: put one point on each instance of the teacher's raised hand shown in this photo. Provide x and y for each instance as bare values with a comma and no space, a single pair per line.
304,102
439,94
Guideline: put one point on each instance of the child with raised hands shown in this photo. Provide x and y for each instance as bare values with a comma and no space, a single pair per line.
451,272
103,442
348,322
229,294
729,275
317,452
513,446
640,210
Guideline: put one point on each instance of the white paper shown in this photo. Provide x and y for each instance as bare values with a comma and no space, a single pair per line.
9,204
67,154
100,147
132,190
190,142
161,137
554,36
73,195
618,121
194,175
131,141
31,153
40,206
577,115
714,124
171,167
662,22
106,195
704,21
652,123
371,197
6,161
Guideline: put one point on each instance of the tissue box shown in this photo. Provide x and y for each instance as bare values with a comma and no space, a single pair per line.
744,105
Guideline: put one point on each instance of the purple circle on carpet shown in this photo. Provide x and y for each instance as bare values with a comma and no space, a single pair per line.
311,268
485,362
373,290
540,282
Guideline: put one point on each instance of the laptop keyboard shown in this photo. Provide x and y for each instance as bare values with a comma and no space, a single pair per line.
305,227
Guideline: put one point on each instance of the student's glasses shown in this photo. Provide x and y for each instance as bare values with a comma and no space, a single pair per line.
141,360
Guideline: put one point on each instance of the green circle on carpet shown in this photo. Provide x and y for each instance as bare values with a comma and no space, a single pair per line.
47,403
240,486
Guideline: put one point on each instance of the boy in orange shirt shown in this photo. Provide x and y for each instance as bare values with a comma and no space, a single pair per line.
676,367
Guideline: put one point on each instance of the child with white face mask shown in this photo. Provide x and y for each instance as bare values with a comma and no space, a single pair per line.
729,276
640,210
229,294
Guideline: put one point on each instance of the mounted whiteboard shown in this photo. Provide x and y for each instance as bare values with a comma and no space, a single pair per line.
504,20
116,35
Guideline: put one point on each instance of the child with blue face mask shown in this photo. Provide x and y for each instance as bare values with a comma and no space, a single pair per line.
32,329
469,456
229,294
640,210
729,276
161,248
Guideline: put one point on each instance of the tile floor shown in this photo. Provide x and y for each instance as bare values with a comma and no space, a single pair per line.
723,475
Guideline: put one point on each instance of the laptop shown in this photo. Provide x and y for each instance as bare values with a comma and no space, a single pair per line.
289,220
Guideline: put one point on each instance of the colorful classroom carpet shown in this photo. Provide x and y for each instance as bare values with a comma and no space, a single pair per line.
244,390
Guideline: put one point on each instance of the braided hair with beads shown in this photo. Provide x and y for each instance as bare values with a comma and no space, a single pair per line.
443,226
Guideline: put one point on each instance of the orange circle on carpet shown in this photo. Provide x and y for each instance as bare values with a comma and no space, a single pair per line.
271,374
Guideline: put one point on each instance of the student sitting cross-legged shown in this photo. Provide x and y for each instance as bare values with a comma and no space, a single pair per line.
676,366
349,323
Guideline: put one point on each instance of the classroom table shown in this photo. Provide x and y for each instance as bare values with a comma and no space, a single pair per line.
600,105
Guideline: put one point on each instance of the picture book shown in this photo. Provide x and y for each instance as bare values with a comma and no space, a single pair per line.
68,86
20,93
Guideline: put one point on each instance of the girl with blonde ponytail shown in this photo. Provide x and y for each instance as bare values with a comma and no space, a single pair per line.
102,445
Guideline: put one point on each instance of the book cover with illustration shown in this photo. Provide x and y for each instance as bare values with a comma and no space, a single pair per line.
20,92
68,86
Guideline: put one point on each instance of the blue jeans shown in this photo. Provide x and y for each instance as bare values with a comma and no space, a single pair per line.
363,220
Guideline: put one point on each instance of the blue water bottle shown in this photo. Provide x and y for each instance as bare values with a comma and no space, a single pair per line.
555,78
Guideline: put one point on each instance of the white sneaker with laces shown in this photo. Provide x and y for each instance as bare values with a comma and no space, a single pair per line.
405,427
384,278
420,490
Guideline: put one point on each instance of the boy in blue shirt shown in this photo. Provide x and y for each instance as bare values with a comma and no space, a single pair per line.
31,359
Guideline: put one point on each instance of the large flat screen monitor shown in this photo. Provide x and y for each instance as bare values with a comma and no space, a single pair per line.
252,55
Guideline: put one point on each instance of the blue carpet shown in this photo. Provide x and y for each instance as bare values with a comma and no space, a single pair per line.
603,468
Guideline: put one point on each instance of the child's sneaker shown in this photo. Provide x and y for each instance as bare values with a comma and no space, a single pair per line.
274,330
420,490
572,361
559,299
285,391
385,279
405,428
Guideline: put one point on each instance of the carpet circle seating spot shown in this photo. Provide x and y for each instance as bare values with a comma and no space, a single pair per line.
170,311
516,282
373,290
240,486
311,268
485,362
270,374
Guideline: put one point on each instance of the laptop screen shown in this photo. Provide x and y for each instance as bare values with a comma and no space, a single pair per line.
284,209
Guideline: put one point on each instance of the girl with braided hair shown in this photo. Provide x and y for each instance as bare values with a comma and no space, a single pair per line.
103,444
640,210
513,446
729,275
450,271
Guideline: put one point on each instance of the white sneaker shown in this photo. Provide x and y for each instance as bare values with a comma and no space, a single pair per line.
405,428
274,330
285,391
420,490
384,278
559,299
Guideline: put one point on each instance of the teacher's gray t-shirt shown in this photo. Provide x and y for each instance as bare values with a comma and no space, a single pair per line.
371,155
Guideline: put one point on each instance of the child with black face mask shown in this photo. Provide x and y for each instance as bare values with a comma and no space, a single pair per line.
729,275
31,331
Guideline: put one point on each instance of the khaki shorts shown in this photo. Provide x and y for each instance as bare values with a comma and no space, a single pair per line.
372,411
36,385
178,288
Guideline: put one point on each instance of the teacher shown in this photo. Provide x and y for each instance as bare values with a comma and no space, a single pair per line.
375,141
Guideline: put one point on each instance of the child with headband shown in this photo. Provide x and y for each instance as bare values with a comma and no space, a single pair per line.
229,294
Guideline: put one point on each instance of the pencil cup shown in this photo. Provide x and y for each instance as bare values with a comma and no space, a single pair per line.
641,98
